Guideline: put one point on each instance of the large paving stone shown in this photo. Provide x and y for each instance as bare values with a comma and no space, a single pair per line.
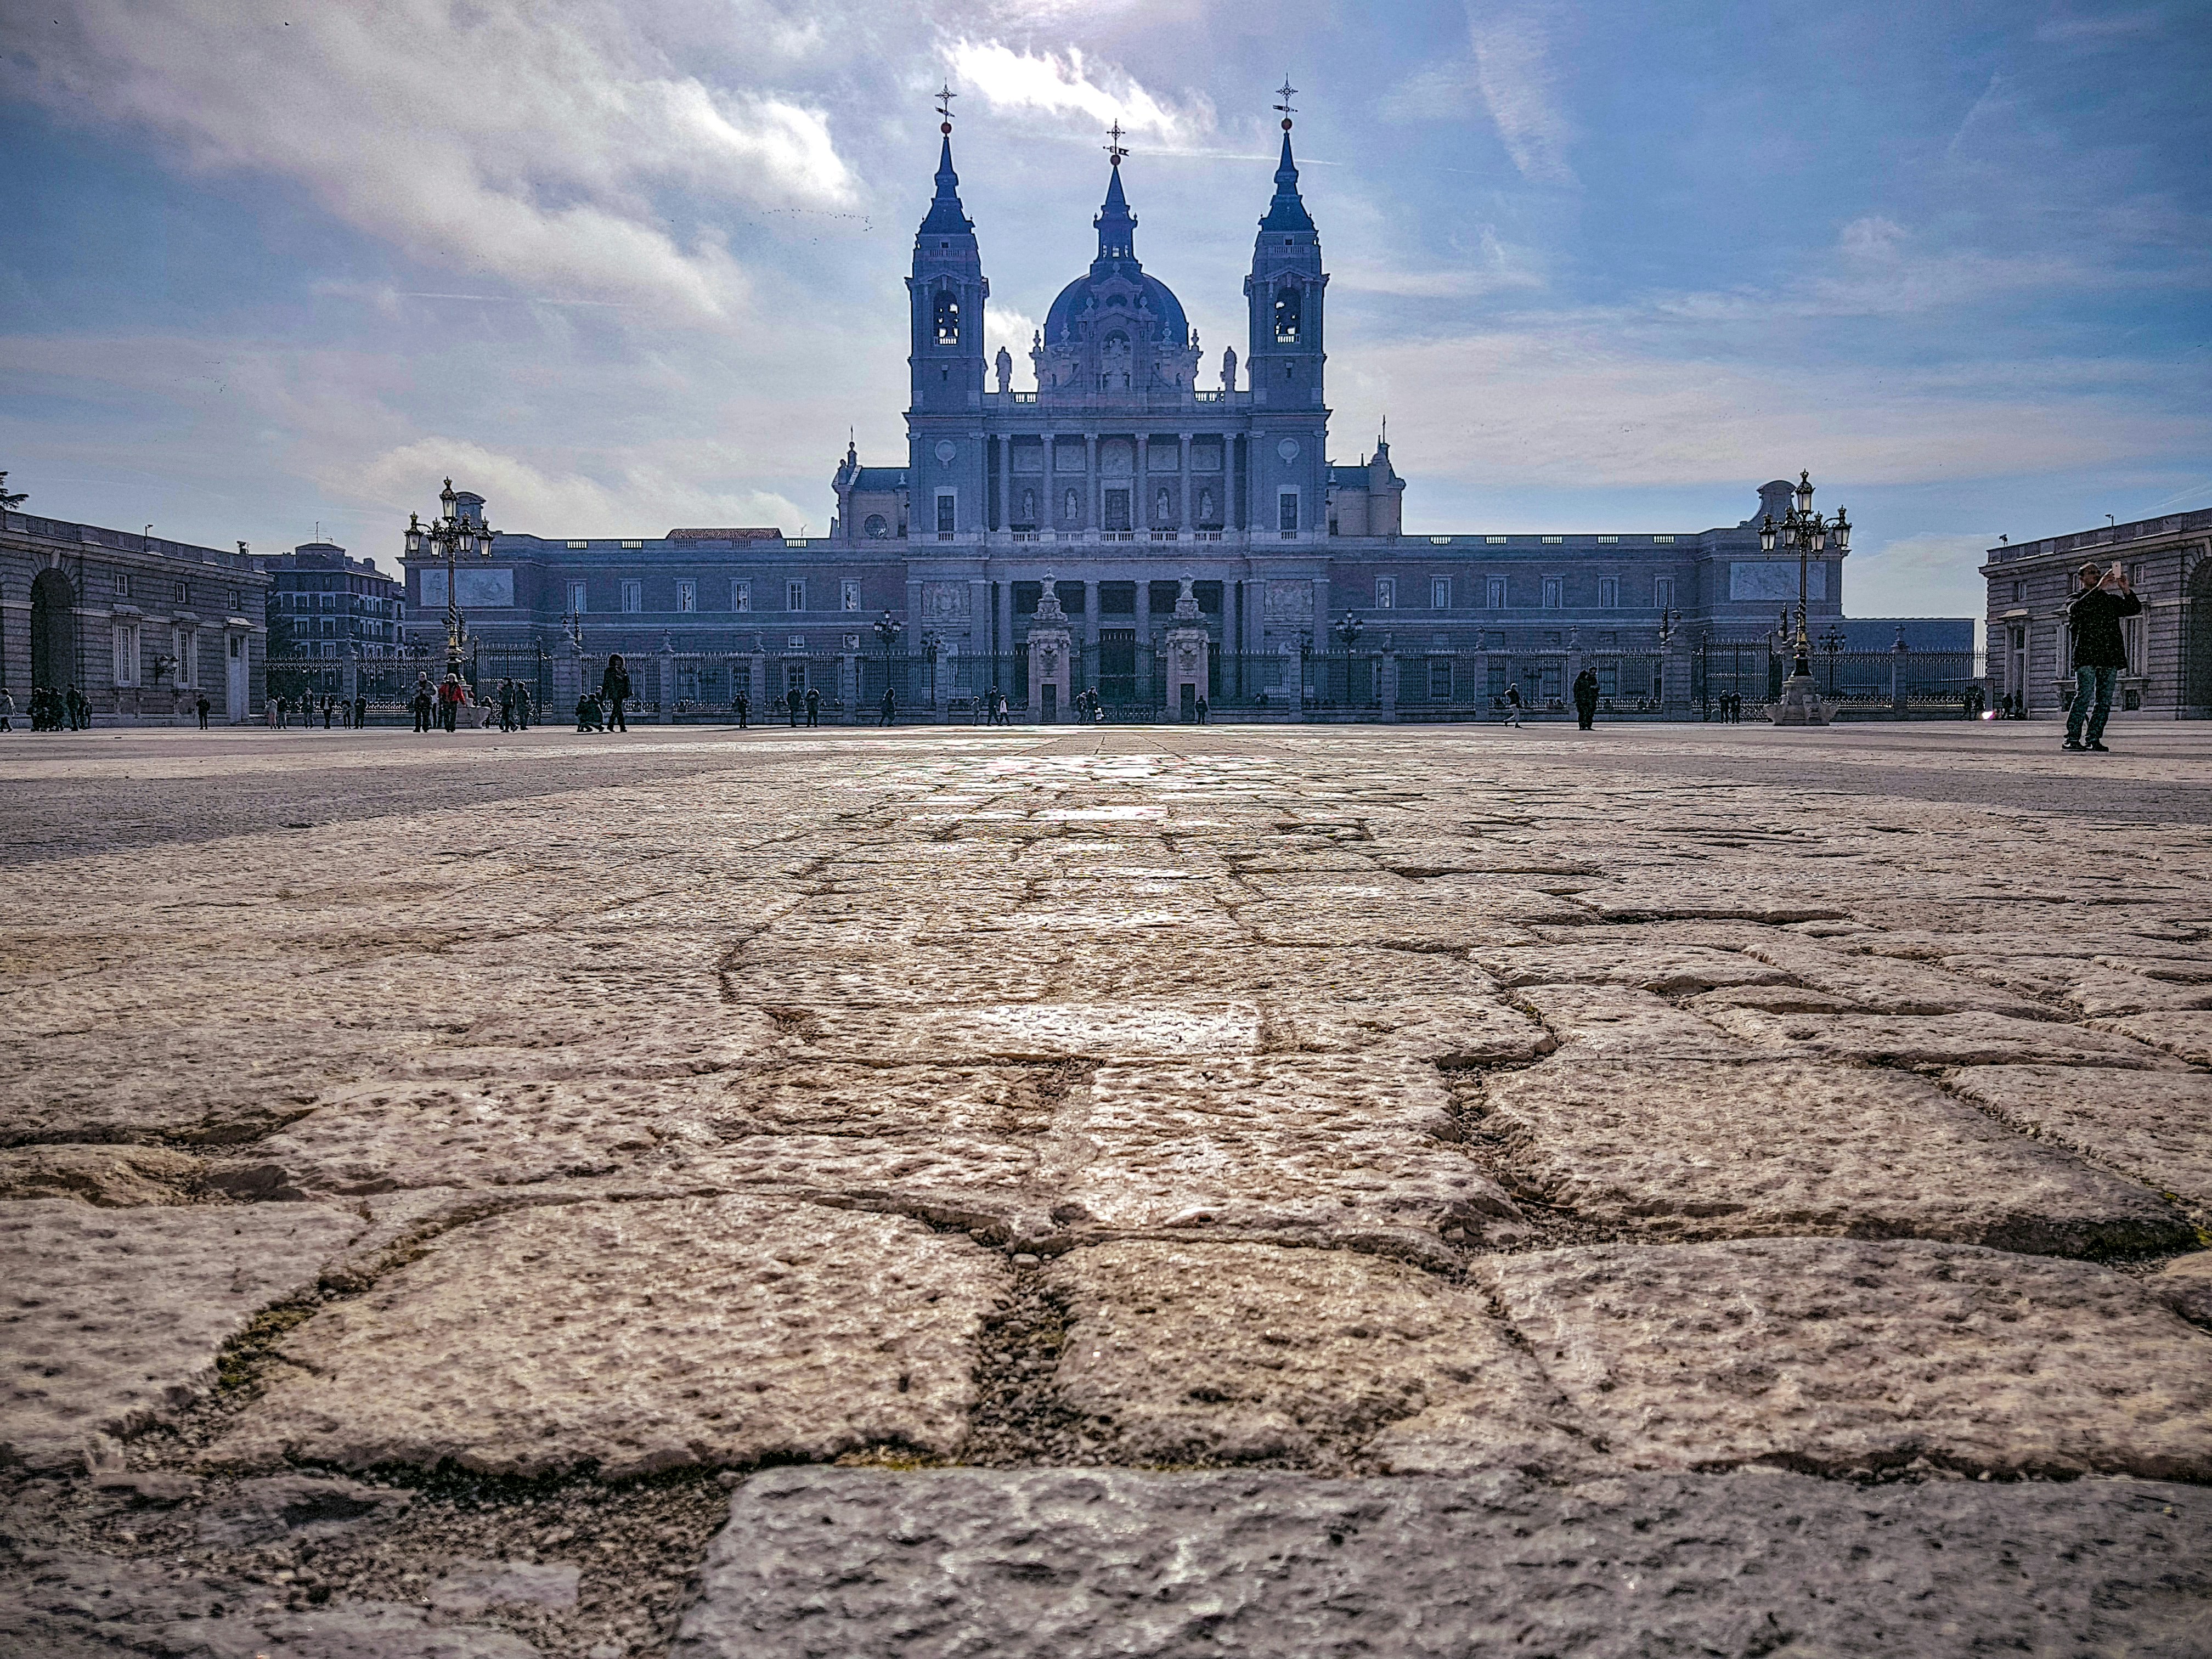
1109,1564
1685,1150
2186,1034
2156,1126
1024,1032
1885,986
1936,1039
1667,970
1838,1355
1289,1149
636,1337
1617,1022
115,1318
1231,1352
2186,1286
76,1605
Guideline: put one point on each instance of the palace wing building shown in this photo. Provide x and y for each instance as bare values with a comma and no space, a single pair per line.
1198,538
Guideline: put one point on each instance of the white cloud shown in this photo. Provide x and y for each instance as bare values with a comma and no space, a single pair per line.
1930,574
1068,87
520,496
1003,325
495,138
1513,68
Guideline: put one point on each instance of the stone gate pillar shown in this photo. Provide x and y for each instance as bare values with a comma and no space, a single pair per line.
1187,651
1051,646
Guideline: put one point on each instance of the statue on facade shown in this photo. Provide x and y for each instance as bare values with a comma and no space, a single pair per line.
1006,367
1228,368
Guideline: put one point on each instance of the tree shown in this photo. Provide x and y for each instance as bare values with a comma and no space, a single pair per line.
8,499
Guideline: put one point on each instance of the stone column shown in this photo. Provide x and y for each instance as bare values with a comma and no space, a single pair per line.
1005,644
849,687
1184,521
349,677
1320,615
1386,680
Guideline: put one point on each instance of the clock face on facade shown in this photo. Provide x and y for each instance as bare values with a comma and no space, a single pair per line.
1288,449
945,451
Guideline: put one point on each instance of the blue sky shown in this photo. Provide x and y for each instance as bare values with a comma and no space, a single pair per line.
1604,267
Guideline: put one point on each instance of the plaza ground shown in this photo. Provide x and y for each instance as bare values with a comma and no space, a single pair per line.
1130,1190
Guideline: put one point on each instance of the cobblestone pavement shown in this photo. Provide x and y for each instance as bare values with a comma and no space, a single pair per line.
1161,1192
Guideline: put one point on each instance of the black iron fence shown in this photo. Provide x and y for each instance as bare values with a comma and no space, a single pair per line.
1863,682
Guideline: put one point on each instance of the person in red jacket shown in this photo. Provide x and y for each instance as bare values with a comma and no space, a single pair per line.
451,695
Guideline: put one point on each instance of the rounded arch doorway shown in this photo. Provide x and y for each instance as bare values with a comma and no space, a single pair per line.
53,632
2196,666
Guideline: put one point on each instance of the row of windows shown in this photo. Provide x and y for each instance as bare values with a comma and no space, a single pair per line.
632,593
152,588
296,601
1495,590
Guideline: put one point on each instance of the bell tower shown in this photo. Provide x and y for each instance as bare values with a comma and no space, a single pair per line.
945,295
1283,297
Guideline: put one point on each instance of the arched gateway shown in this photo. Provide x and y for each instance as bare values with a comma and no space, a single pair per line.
53,631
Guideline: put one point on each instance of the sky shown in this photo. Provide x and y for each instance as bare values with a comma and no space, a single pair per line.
270,270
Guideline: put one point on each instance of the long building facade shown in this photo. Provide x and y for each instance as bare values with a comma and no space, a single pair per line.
2168,563
1137,488
142,626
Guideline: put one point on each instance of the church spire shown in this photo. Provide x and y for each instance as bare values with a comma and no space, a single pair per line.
1115,225
946,216
1288,210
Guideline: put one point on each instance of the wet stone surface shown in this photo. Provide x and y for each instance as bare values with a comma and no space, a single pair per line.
1281,1190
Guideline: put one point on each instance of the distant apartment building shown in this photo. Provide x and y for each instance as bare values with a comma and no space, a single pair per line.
326,605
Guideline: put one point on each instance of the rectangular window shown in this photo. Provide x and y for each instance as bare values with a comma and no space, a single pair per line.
848,596
687,596
1663,541
1606,541
126,654
1496,598
1117,510
1440,592
741,594
1554,541
1286,512
575,599
1494,541
794,596
1439,680
1386,592
1662,593
1554,591
946,511
1608,592
122,584
188,658
633,594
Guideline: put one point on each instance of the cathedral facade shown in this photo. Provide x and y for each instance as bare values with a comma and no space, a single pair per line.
1155,505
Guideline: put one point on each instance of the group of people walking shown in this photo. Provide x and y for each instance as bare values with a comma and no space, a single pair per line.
337,712
607,709
51,710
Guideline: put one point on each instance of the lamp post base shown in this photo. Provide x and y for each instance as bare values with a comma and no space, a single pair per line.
1800,704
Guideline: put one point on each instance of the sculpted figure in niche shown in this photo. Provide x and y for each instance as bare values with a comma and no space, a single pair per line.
1070,511
1160,507
1029,507
1206,506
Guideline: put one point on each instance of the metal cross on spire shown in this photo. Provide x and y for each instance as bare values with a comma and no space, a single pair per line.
1286,90
1114,150
945,97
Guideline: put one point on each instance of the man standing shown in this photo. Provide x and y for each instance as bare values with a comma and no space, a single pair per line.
1513,704
793,703
422,701
813,706
202,706
449,701
891,707
1586,698
359,710
614,692
8,711
506,705
2099,652
744,709
521,707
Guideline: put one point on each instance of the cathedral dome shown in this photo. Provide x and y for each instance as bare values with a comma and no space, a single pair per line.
1119,296
1116,288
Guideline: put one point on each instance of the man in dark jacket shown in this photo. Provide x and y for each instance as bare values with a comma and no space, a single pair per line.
794,701
614,692
1586,698
813,705
2100,654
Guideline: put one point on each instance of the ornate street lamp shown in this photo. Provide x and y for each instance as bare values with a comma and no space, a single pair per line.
931,644
1349,630
456,538
888,628
1833,643
1805,533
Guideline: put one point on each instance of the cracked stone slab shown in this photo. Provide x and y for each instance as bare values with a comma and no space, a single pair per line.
2186,1034
2186,1286
638,1337
1835,1355
115,1318
1231,1352
1882,985
1665,969
1936,1039
116,1177
1103,1564
297,1505
1683,1150
202,1088
1287,1149
1616,1022
2155,1126
76,1605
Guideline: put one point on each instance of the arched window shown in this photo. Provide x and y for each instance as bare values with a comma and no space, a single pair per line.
875,528
948,317
1288,307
